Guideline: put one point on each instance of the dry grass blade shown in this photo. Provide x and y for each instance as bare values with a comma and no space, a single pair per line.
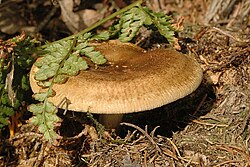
228,162
230,35
233,150
152,134
209,124
144,133
199,106
40,157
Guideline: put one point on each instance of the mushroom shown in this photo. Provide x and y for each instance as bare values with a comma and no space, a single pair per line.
133,80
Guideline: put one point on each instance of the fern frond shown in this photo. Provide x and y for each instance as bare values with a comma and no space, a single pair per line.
6,112
132,20
49,68
44,117
95,56
130,23
84,49
162,22
105,35
73,65
62,60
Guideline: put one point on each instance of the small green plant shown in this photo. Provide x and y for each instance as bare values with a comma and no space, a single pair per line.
64,58
15,60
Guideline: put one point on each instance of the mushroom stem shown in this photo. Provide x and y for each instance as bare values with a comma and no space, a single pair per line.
111,121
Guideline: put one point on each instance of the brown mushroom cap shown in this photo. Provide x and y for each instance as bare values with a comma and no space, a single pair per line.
133,81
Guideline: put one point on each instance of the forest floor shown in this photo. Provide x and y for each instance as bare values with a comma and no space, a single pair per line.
210,127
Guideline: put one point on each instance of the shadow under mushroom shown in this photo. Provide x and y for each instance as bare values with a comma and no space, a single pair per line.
175,116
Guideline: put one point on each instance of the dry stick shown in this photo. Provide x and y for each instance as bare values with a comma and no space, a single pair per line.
139,139
213,9
201,103
130,135
40,157
152,134
233,149
243,153
188,163
210,124
145,158
175,147
152,159
61,103
245,123
201,33
229,35
169,153
179,155
228,162
83,132
143,132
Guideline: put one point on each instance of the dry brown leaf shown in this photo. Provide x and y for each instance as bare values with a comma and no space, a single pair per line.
214,77
76,21
90,16
71,19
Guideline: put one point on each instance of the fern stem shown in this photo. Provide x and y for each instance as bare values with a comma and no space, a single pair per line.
139,2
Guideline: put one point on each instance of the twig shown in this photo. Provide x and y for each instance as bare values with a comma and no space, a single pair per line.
144,133
167,151
145,158
129,136
228,162
152,159
201,103
83,132
179,155
137,140
209,124
175,147
152,134
63,101
233,149
201,33
40,157
229,35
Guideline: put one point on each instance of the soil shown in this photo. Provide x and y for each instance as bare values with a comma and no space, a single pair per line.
210,127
